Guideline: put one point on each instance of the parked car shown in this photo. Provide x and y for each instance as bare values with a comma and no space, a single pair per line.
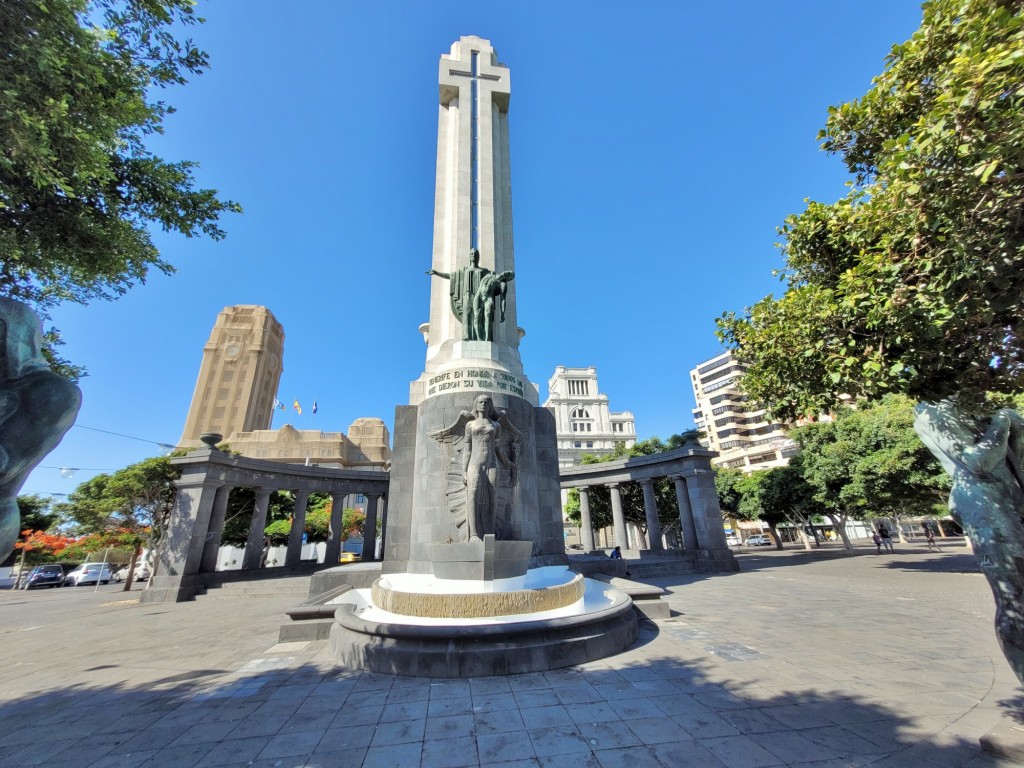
88,573
349,557
759,540
141,573
44,576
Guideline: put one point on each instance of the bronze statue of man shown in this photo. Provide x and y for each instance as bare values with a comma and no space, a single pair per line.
473,307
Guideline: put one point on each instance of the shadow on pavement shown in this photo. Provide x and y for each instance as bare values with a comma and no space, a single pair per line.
659,712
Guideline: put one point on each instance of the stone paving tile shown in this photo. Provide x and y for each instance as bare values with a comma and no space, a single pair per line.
536,697
558,740
609,735
409,710
184,756
632,757
703,724
493,702
393,756
398,733
655,730
449,727
233,751
265,726
131,760
499,722
449,706
449,753
629,709
291,744
541,717
496,747
599,712
339,738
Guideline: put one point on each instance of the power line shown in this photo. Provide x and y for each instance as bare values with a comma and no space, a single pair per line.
167,446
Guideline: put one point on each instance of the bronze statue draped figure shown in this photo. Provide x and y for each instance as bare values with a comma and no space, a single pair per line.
473,291
36,408
482,471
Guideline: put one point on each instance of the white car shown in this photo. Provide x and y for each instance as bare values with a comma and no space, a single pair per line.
88,573
759,540
141,573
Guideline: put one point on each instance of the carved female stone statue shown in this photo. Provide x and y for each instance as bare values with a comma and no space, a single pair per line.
480,456
486,468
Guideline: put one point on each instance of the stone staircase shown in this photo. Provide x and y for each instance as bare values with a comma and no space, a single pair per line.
260,584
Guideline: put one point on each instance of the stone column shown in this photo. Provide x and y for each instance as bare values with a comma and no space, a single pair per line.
181,549
370,527
254,544
212,547
294,554
707,515
383,523
651,511
686,526
334,532
621,538
586,524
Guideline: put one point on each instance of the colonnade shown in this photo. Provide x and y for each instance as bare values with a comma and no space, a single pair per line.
189,547
254,541
689,469
687,525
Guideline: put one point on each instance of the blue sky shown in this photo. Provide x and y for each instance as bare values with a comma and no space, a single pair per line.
655,148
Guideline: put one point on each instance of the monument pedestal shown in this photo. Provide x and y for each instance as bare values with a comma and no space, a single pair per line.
481,560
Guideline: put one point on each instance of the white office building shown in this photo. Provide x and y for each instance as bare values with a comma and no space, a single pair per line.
584,422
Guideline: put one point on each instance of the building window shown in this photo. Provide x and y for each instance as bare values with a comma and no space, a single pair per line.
577,444
578,387
590,443
579,413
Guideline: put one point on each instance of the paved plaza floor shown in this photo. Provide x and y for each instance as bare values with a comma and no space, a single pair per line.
798,660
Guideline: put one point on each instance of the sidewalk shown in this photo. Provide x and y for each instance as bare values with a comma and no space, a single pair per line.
887,661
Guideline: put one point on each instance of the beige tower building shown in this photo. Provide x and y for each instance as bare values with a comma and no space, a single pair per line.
238,378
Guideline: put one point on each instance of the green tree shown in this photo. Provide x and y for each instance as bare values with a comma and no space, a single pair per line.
758,502
36,514
78,187
912,283
727,481
127,508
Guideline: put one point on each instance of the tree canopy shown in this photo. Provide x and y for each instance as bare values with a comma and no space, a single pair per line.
912,282
78,187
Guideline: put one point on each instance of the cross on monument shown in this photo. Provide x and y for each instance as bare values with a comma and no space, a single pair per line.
481,72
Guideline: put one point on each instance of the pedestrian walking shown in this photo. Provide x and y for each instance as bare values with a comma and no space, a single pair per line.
930,536
883,534
878,541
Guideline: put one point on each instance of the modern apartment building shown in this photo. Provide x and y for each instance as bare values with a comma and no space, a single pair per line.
739,430
584,422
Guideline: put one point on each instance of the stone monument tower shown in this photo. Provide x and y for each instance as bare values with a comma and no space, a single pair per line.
473,391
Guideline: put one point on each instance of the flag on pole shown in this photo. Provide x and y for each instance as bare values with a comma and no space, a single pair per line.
278,404
297,407
314,405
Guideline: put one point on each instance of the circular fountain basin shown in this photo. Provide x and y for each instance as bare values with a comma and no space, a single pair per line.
599,623
407,594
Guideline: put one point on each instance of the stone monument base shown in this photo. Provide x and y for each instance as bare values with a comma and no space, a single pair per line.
459,650
481,560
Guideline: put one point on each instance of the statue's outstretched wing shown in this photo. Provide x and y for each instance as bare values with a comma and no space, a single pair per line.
508,429
504,277
454,432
